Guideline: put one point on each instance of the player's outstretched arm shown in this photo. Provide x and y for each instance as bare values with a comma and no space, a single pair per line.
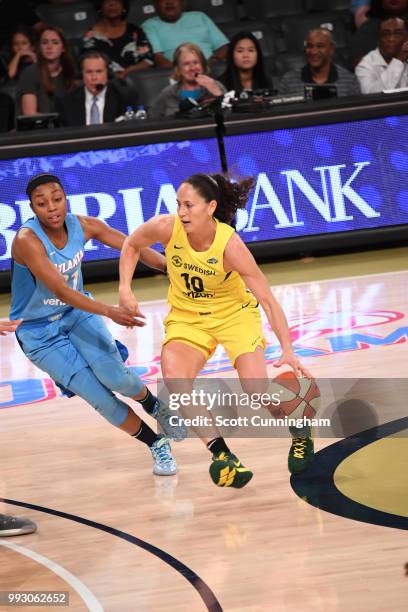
95,228
29,251
8,326
157,229
237,257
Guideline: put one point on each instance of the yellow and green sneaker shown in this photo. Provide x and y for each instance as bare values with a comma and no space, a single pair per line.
301,454
226,470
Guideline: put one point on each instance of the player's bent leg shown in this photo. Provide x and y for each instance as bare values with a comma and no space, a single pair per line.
180,364
114,375
252,370
86,385
96,345
226,469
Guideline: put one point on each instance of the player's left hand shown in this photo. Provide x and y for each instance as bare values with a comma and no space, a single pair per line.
8,326
289,358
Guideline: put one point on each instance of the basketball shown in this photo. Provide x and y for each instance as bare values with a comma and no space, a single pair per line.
299,397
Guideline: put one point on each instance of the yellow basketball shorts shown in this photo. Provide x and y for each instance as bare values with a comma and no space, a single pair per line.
238,333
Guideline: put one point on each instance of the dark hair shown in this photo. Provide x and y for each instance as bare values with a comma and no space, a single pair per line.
26,31
389,18
376,10
231,79
67,62
98,6
42,179
229,195
94,55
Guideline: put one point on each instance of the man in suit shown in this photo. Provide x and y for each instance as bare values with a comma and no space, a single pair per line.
96,101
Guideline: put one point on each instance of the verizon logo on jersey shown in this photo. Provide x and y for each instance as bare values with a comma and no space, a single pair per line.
53,302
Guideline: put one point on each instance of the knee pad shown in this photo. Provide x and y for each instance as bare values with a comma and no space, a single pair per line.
117,377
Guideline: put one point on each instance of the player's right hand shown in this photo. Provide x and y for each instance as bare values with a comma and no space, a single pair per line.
122,316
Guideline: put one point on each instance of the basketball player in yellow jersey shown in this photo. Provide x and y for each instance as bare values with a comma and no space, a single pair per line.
210,269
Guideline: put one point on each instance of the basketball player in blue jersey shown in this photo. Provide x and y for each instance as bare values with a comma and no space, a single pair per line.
13,525
210,269
62,331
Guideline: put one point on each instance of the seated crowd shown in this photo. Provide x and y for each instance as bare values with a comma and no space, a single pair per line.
96,83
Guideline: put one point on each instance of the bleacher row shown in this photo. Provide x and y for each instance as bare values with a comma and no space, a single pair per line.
279,25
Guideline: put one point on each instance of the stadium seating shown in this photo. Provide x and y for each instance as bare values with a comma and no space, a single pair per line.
73,18
264,9
148,84
220,11
140,10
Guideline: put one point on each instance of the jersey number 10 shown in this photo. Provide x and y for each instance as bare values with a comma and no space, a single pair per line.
195,283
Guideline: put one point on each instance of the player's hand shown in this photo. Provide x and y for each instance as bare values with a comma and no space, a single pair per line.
289,358
124,317
128,301
8,326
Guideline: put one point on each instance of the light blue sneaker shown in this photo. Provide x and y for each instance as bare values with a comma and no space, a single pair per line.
164,464
162,413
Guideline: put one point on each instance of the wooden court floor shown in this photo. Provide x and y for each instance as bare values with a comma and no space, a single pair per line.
119,539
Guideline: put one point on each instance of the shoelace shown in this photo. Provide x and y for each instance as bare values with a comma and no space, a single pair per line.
221,457
161,451
299,447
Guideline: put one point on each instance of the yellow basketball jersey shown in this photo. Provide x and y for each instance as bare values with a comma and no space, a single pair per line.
198,282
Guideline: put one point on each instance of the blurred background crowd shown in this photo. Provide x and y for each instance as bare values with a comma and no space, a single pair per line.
90,60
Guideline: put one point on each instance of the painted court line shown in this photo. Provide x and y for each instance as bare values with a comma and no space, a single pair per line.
85,594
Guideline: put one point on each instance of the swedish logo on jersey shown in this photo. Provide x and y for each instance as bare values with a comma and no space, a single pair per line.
212,260
178,262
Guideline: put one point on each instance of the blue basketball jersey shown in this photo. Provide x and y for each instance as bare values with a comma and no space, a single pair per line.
30,299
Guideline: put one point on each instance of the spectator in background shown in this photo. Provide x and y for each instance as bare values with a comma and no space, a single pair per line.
366,37
123,43
192,81
320,68
51,76
14,13
173,27
22,52
96,101
359,8
386,67
245,66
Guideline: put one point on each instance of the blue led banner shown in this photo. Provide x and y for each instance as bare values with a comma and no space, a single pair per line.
309,181
323,179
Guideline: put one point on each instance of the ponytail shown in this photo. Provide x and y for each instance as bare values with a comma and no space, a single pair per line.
230,196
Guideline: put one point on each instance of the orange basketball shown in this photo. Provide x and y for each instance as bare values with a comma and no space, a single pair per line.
299,397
